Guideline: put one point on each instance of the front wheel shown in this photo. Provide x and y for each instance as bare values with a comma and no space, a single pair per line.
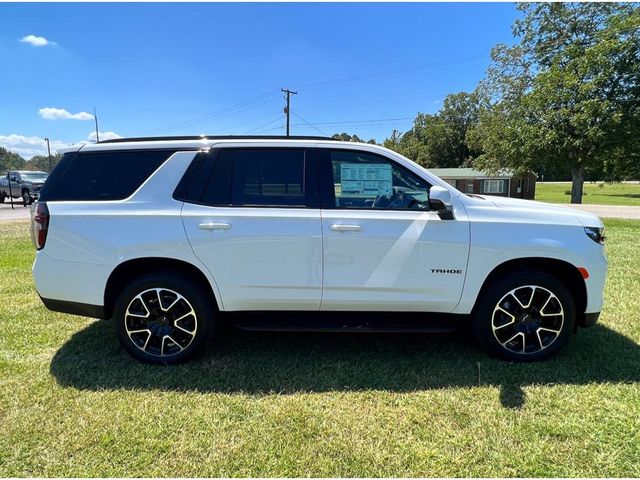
525,316
163,318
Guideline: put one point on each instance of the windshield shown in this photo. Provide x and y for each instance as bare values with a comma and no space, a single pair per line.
34,177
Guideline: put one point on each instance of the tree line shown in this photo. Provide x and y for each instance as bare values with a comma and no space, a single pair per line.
13,161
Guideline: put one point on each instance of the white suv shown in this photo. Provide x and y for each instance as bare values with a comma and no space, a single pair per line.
171,236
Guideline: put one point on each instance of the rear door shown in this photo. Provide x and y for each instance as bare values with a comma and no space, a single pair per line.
252,217
384,249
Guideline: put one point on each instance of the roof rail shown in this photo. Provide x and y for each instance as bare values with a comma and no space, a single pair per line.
216,137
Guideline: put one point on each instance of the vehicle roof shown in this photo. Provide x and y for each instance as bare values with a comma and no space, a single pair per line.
206,142
27,171
216,137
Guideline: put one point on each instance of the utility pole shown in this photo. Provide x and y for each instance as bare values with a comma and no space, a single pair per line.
95,117
49,152
287,109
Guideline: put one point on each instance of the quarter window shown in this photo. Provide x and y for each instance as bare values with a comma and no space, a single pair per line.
362,180
95,176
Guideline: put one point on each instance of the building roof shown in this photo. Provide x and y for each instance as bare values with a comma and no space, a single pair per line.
468,173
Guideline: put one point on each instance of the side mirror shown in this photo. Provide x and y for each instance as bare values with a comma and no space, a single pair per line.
440,201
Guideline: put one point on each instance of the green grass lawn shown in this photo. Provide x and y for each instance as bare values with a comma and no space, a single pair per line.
594,193
73,403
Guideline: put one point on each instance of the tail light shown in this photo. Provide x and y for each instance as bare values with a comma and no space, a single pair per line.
39,224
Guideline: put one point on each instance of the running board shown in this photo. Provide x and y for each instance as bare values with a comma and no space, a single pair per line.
386,322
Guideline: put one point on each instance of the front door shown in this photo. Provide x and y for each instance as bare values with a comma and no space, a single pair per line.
255,228
384,250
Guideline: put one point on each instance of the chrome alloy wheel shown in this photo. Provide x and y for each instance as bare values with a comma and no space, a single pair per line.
528,319
160,322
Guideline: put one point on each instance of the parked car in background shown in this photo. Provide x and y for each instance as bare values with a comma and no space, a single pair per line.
24,184
171,236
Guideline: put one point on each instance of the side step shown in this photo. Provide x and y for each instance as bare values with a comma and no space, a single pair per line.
389,322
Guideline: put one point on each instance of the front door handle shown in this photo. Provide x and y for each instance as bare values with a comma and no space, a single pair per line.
215,226
338,227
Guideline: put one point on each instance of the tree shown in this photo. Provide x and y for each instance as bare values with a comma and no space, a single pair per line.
439,140
568,93
345,137
41,162
10,161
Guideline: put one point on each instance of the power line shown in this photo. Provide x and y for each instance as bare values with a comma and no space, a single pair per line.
265,125
235,108
311,125
351,80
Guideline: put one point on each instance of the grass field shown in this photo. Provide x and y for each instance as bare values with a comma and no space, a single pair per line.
594,193
72,403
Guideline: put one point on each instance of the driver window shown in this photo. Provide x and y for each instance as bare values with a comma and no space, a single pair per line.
363,180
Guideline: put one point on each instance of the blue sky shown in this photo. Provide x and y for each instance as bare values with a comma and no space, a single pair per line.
180,69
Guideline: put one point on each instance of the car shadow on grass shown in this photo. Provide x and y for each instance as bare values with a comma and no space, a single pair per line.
286,363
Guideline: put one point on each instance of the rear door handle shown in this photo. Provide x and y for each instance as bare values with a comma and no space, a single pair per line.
215,226
338,227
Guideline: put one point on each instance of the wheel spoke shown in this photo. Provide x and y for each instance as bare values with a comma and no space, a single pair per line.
539,339
544,329
147,331
505,325
159,299
513,338
190,332
139,297
175,343
533,291
513,317
173,304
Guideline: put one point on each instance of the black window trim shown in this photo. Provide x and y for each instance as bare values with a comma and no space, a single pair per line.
327,188
310,178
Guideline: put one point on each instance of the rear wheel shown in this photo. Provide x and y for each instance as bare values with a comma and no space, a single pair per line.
163,318
525,316
2,197
26,199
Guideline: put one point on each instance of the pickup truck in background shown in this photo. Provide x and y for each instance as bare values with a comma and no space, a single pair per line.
23,184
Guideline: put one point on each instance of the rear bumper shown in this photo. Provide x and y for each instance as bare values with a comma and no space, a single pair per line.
589,319
74,308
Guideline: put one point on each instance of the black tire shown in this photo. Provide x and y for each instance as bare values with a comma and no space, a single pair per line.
25,198
2,197
506,332
163,333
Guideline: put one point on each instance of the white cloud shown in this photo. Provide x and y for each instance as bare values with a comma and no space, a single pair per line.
50,113
103,136
28,147
36,41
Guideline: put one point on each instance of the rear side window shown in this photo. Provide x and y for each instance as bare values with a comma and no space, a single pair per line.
273,177
268,177
96,176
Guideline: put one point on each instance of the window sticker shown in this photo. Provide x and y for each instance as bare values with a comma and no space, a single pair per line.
368,179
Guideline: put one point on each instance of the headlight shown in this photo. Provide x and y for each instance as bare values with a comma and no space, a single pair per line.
595,233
